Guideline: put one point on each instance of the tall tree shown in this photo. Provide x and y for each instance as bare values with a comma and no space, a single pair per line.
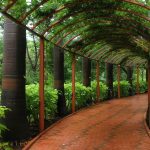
58,57
109,80
13,81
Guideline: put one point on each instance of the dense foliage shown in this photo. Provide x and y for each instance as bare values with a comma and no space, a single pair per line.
143,86
127,24
103,90
85,96
124,88
32,98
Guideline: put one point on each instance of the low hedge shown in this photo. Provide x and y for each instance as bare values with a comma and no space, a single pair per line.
143,86
103,90
32,101
84,96
124,88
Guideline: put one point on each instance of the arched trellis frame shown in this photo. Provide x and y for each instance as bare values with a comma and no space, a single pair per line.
72,9
63,20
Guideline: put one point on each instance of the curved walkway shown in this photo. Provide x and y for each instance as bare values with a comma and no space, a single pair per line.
112,125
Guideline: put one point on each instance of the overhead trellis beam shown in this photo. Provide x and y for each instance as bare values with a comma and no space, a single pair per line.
82,50
110,40
67,16
78,22
24,16
62,38
61,8
99,54
100,51
87,11
126,31
69,41
135,60
10,4
135,3
79,35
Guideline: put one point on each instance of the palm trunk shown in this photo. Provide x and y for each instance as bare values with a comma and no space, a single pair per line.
109,80
86,67
59,79
86,72
13,81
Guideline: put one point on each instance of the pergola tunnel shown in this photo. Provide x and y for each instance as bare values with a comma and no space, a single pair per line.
108,37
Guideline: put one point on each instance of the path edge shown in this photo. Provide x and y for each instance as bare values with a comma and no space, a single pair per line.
146,126
30,143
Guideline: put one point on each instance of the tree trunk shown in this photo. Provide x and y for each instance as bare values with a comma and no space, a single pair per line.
13,81
86,72
86,67
146,75
129,79
109,80
59,79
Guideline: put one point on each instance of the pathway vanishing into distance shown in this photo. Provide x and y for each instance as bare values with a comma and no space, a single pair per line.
113,125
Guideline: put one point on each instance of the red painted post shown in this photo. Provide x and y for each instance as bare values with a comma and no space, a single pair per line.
118,78
73,82
97,78
137,84
41,85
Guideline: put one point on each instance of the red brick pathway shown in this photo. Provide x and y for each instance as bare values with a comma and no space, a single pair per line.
112,125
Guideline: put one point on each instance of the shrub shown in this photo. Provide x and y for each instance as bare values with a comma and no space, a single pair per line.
124,88
32,98
83,95
3,109
3,145
143,86
103,90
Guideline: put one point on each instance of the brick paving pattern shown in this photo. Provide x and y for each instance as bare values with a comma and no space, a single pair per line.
113,125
